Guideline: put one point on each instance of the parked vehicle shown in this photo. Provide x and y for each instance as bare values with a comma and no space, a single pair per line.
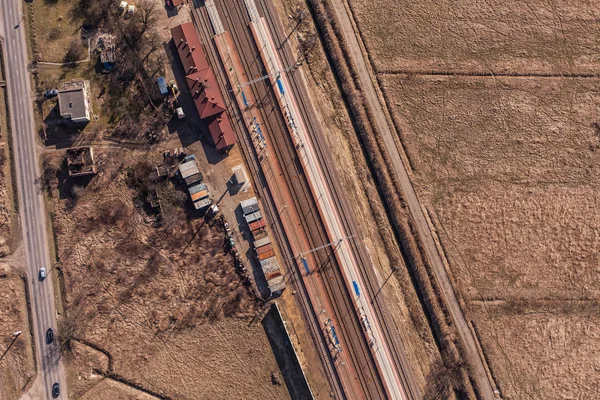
123,6
50,93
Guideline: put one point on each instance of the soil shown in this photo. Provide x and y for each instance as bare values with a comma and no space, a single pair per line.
507,168
164,304
17,368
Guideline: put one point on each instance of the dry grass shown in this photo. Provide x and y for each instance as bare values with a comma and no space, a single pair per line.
54,29
170,295
504,36
518,167
16,367
509,165
543,353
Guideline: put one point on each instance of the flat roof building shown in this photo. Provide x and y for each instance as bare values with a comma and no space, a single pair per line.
73,101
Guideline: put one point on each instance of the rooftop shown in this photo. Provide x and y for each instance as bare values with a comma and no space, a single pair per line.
72,101
221,132
205,92
188,46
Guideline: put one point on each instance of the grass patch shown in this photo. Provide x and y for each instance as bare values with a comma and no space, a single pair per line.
53,29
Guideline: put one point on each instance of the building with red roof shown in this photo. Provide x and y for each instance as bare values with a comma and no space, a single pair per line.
221,132
206,94
189,48
203,85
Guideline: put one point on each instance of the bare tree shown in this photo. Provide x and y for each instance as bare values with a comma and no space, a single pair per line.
75,52
147,15
444,380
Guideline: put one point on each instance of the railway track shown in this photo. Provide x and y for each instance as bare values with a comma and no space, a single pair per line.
358,250
285,152
251,157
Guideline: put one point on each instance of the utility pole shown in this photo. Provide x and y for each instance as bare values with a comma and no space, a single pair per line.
15,337
394,269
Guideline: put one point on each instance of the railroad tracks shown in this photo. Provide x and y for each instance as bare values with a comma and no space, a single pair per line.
336,288
337,291
358,250
249,153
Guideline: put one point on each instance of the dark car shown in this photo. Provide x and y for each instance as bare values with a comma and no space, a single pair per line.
50,93
49,336
169,3
55,390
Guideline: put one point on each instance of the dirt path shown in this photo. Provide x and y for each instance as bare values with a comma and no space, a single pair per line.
449,298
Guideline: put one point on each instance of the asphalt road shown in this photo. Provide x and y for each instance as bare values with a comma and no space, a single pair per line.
31,206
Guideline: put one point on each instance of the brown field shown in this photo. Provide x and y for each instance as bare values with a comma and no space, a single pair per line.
54,27
163,303
545,352
16,366
501,36
509,167
512,161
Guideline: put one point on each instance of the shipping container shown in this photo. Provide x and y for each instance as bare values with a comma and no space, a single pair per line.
249,206
254,216
271,275
197,188
199,205
193,179
257,225
265,255
259,242
200,195
264,249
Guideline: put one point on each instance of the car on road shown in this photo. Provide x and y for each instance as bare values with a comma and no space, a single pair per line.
55,390
49,336
50,93
42,274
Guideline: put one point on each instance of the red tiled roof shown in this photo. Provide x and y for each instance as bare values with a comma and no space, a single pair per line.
221,132
188,46
205,92
203,85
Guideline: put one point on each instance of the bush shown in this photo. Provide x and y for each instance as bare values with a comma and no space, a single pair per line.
55,33
75,52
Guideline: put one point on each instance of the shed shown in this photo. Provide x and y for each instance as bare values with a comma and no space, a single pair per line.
249,205
255,216
261,242
162,85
